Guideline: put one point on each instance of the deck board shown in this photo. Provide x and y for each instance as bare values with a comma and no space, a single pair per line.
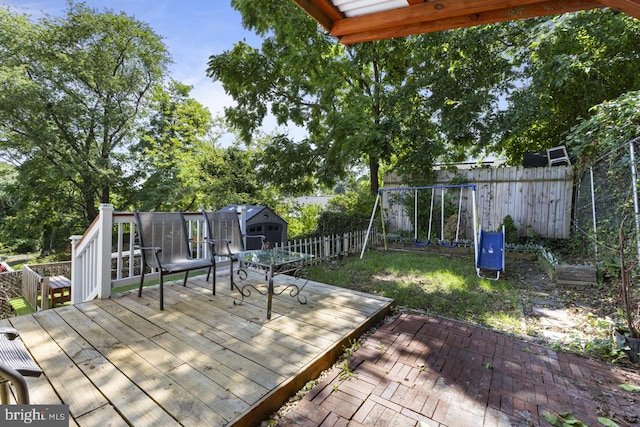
204,360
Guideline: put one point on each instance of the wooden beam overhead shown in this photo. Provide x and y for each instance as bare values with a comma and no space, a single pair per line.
630,7
421,16
423,12
322,11
550,7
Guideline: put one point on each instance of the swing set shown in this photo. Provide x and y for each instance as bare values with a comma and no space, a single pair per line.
488,246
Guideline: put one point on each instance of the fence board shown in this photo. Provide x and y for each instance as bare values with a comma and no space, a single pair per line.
538,199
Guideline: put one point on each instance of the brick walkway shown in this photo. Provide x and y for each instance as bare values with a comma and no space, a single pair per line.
425,371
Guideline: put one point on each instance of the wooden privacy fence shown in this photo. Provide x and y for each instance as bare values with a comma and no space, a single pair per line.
539,200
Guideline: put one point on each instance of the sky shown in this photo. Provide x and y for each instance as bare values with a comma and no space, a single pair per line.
192,30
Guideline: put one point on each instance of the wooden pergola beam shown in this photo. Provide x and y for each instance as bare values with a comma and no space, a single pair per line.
423,12
323,12
545,8
421,16
630,7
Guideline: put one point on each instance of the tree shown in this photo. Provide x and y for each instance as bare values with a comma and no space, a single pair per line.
405,101
73,88
179,165
173,146
610,124
569,65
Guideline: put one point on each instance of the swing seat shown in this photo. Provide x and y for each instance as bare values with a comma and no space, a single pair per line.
422,244
490,254
444,244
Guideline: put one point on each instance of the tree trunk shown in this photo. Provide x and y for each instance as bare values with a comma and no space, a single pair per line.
374,168
106,191
90,209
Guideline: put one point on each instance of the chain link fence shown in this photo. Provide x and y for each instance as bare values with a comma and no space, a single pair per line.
606,201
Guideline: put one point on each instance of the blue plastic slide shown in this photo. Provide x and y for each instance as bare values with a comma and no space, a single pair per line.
490,253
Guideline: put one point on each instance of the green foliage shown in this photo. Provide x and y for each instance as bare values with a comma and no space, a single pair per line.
607,422
302,220
570,64
166,154
401,102
179,167
564,419
285,164
604,137
610,124
87,118
346,212
345,372
510,230
331,222
630,387
356,202
73,88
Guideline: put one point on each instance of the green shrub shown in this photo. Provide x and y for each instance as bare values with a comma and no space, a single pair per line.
510,230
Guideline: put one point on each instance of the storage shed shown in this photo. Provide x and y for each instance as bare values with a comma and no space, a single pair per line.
260,220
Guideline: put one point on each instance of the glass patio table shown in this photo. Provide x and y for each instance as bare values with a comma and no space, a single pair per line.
272,262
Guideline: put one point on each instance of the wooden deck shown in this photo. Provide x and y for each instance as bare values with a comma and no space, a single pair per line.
201,361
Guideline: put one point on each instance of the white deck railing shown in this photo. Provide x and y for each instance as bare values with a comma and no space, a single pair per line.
104,257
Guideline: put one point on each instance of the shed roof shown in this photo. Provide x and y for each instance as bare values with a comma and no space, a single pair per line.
252,210
354,21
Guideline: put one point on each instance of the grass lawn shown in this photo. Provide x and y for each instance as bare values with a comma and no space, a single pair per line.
436,284
21,306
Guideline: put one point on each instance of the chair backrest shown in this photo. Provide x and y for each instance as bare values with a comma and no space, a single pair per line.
224,226
166,230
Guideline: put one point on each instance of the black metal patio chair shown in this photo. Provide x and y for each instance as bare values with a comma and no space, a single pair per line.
15,364
165,247
224,234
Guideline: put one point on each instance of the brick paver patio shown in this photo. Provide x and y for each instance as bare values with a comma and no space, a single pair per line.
426,371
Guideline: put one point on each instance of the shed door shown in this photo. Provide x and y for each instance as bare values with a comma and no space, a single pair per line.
271,230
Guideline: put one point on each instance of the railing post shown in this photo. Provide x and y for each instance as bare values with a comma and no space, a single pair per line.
45,302
76,271
103,268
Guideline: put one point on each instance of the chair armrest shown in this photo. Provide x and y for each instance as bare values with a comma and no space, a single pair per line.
14,355
148,248
227,242
18,381
11,333
150,253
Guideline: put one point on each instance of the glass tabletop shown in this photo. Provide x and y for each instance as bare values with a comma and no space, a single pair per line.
272,257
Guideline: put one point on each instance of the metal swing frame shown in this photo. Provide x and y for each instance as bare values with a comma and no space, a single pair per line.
433,188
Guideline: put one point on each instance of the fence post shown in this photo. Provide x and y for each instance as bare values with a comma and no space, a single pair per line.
45,303
345,245
593,215
634,184
103,268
